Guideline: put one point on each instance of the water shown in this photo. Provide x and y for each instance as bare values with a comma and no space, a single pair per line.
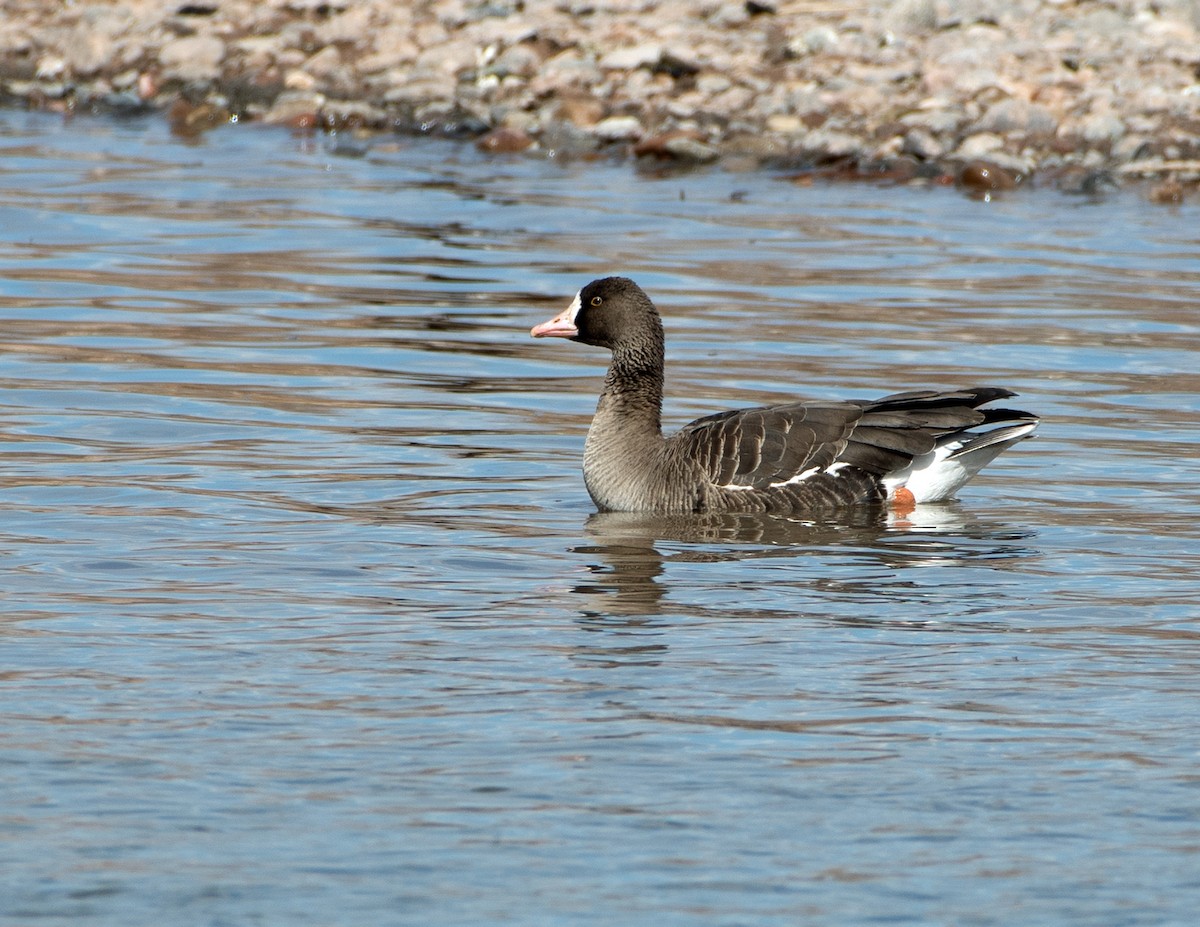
307,619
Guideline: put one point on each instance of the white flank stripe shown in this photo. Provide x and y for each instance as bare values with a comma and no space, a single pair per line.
798,478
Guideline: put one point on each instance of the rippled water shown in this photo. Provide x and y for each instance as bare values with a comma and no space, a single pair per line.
307,619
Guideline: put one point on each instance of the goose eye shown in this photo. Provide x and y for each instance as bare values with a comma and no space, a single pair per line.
596,300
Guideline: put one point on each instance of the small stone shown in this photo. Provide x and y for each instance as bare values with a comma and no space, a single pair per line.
814,41
913,16
50,67
785,124
189,120
352,114
618,128
1102,127
1082,182
504,140
1015,115
1131,148
297,79
518,61
578,107
295,108
923,145
937,121
985,178
564,140
753,147
629,59
712,84
832,143
729,14
324,62
1168,192
196,57
976,146
682,145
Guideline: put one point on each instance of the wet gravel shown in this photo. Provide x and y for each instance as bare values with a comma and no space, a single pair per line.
986,93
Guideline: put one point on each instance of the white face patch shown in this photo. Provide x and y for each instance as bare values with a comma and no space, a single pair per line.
573,309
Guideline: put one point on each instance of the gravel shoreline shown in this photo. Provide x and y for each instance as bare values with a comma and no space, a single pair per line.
988,93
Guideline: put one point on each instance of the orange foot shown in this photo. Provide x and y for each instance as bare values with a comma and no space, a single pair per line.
903,502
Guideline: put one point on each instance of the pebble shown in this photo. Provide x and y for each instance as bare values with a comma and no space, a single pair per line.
628,59
680,145
504,140
832,144
1066,86
978,145
986,178
618,128
295,108
195,58
1017,115
923,145
1102,127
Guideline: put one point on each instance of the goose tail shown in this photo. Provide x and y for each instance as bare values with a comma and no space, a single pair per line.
958,456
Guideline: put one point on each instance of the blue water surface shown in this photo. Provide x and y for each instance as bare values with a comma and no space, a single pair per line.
307,618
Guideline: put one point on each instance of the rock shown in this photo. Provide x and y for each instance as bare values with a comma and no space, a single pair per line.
189,120
1079,181
578,107
629,59
936,120
729,14
504,140
712,84
922,144
517,61
912,16
832,143
295,108
814,41
1169,192
296,79
985,178
195,58
618,128
450,57
681,145
978,145
785,124
564,140
1016,115
90,52
1102,127
352,114
51,67
324,62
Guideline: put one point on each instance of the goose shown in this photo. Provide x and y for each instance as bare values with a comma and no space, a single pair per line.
796,458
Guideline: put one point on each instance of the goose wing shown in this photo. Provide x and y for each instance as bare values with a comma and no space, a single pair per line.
774,446
770,446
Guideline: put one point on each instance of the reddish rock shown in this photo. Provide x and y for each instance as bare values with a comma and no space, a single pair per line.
504,141
985,178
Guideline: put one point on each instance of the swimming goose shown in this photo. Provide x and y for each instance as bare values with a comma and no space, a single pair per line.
799,457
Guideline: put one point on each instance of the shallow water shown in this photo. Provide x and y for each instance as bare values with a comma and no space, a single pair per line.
307,619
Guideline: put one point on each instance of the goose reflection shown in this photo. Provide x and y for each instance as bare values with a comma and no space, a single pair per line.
630,554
